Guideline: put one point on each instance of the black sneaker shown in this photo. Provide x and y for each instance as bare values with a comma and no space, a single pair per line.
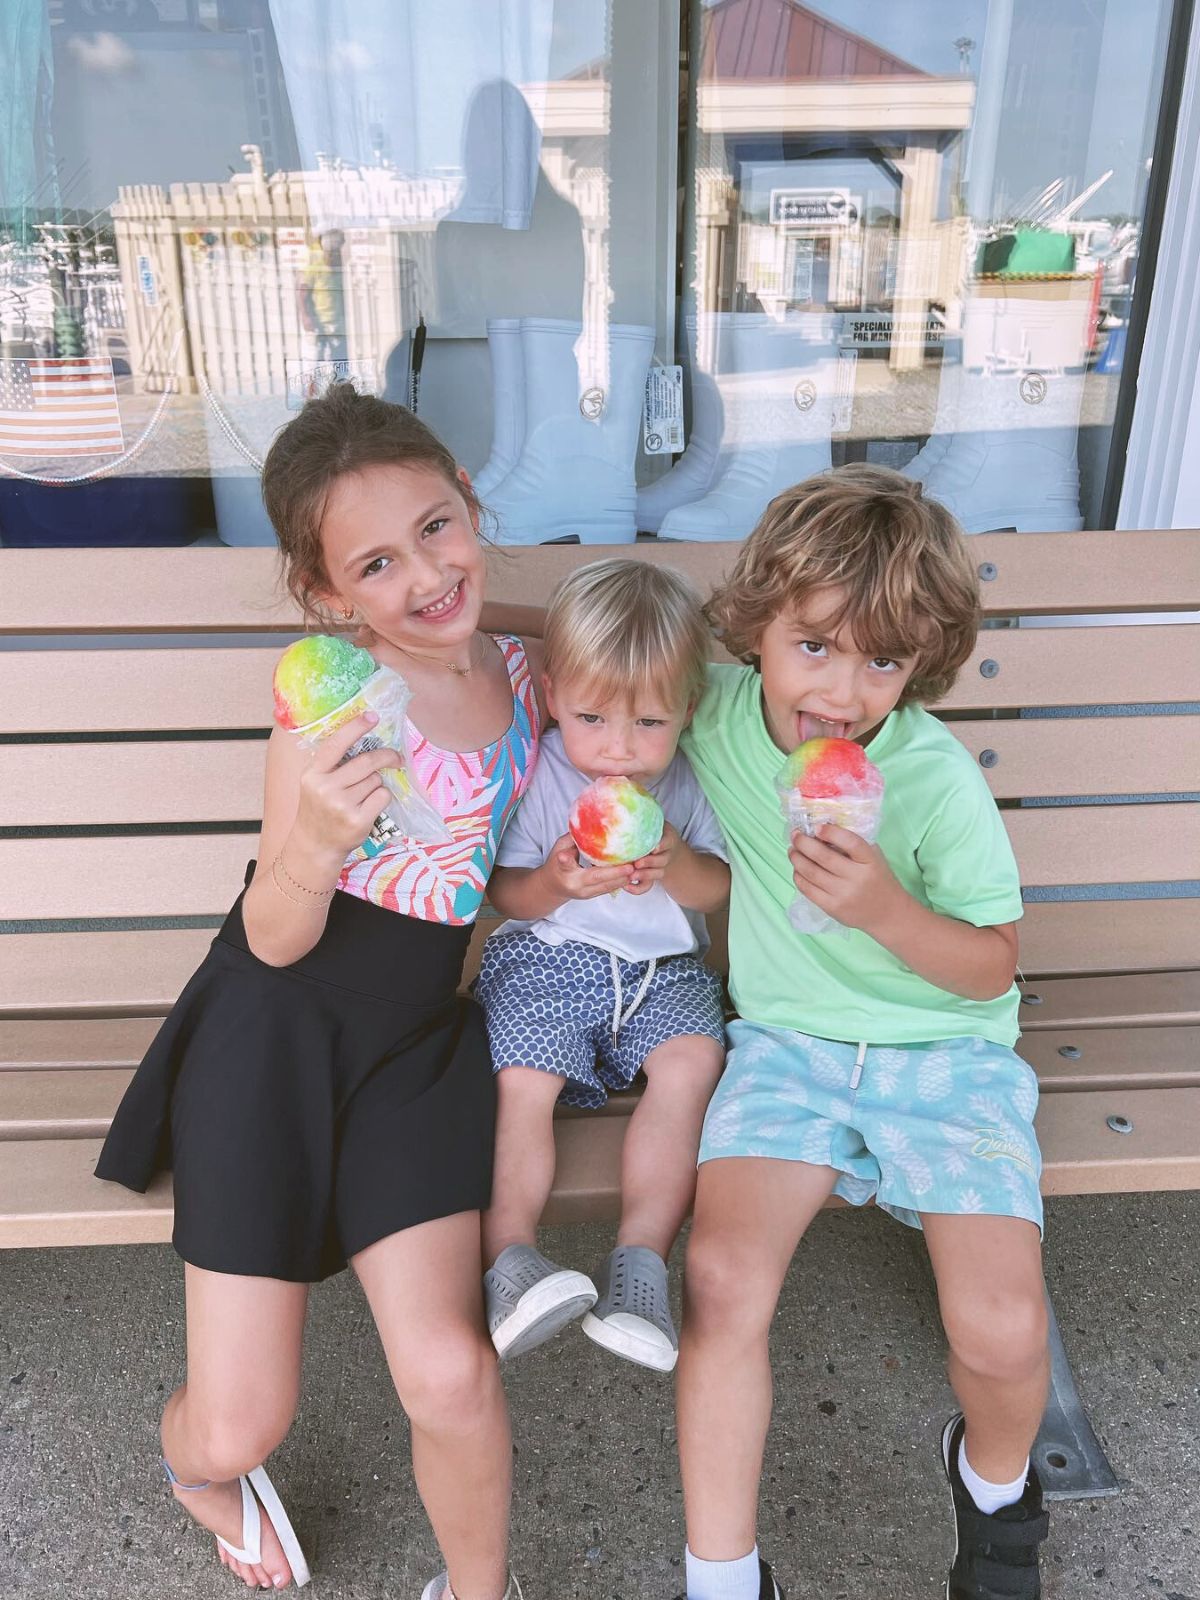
996,1556
768,1588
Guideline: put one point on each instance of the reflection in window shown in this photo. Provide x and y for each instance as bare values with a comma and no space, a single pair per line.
909,234
912,235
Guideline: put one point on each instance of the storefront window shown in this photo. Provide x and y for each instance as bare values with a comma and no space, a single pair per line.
908,234
912,238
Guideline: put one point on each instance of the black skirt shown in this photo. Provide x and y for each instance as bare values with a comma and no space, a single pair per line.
308,1111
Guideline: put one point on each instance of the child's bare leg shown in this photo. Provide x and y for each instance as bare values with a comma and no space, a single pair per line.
423,1289
993,1305
523,1174
244,1338
750,1216
658,1166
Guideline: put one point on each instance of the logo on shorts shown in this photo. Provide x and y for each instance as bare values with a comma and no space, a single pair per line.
992,1146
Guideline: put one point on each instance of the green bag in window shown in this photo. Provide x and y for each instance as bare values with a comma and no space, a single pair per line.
1039,250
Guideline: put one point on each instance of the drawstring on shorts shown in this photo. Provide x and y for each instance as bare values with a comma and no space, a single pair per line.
620,1018
856,1075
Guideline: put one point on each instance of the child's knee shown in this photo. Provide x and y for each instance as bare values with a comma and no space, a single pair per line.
452,1384
230,1444
1000,1336
722,1292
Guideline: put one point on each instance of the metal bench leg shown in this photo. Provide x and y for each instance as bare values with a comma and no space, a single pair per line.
1067,1454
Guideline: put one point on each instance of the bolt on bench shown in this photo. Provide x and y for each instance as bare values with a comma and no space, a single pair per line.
133,706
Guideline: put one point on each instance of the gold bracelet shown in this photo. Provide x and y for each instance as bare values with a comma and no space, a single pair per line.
317,894
306,905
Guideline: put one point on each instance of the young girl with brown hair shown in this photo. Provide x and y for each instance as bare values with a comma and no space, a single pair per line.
322,1093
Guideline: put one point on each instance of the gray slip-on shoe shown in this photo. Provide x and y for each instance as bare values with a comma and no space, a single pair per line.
529,1299
632,1317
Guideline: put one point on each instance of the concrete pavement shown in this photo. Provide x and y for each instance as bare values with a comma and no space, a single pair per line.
854,1505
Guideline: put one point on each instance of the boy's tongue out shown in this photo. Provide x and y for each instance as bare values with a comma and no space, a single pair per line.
817,728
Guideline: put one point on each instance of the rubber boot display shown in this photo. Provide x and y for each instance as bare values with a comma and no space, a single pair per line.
945,421
778,402
508,403
694,473
583,409
1013,460
240,429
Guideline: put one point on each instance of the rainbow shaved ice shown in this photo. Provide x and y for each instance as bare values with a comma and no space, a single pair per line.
321,683
828,781
615,821
316,676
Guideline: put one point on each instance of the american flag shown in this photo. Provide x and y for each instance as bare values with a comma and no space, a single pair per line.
61,406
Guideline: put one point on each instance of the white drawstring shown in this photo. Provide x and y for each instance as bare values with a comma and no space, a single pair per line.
856,1077
620,1018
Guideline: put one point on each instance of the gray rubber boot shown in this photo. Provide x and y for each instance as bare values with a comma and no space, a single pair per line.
632,1317
528,1299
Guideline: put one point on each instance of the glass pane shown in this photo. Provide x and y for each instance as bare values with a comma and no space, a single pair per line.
213,208
911,238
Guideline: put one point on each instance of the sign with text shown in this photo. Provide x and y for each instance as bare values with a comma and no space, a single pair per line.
875,329
814,208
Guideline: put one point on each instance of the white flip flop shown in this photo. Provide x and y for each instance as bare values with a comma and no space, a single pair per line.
255,1487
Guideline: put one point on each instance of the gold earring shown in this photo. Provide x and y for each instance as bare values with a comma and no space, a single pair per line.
347,614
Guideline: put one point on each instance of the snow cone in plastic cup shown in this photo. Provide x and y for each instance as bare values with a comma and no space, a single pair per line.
828,781
321,683
614,821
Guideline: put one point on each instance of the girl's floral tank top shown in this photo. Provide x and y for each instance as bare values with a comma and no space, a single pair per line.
476,791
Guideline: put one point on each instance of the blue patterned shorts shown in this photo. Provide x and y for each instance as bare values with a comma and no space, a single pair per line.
551,1007
942,1127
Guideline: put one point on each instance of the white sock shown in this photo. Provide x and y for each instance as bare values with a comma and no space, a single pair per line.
722,1580
990,1497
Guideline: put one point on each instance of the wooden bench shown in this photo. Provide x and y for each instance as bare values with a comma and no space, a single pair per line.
130,778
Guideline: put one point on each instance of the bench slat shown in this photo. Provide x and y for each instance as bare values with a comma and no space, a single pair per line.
82,974
1109,936
1117,844
62,1044
1084,1156
63,785
1143,1058
1086,755
199,874
113,691
80,1103
1081,667
115,591
220,780
1141,999
127,974
137,691
98,974
49,1196
60,1105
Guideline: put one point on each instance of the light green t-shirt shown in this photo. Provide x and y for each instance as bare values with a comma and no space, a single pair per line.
942,836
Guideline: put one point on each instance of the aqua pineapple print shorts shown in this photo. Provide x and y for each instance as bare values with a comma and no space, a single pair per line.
945,1126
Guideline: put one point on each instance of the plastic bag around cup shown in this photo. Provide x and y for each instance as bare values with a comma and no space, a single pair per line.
859,815
409,813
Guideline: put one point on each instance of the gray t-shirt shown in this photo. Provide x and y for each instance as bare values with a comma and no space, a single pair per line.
633,927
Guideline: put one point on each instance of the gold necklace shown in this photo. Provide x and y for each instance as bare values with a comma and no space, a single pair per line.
450,666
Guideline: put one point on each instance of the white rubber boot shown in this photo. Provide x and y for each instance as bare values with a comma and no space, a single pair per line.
945,421
508,403
1013,461
240,429
583,409
778,404
696,470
